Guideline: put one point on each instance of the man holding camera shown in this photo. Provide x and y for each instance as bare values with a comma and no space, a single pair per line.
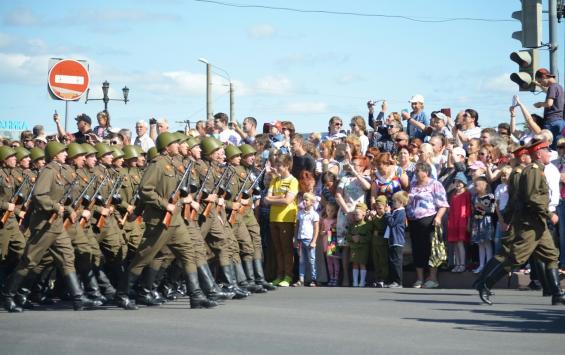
417,120
553,104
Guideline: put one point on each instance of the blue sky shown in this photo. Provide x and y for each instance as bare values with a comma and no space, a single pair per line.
303,67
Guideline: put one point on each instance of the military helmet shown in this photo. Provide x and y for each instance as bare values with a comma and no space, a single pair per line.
6,152
75,149
192,142
165,139
152,153
117,153
181,136
139,150
21,153
210,145
130,152
232,151
102,149
89,149
247,149
53,148
36,153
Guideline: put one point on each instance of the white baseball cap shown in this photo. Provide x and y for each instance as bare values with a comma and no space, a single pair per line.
459,151
441,116
417,98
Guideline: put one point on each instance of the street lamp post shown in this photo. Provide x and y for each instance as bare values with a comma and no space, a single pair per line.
209,110
105,98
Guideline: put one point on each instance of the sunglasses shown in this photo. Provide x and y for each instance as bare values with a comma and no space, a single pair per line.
114,142
337,124
400,139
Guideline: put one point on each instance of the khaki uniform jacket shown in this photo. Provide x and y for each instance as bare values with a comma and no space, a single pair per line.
51,185
511,206
158,183
533,195
8,186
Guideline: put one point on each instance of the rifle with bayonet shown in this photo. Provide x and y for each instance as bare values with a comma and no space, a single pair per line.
65,200
27,204
90,201
188,188
180,191
113,198
201,194
77,202
224,191
214,191
133,202
16,199
246,194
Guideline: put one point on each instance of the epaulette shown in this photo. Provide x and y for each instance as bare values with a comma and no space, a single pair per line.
535,166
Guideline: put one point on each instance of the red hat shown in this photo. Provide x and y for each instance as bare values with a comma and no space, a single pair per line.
537,145
543,72
520,151
278,125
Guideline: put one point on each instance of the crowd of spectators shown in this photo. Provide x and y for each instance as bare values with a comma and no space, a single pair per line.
374,196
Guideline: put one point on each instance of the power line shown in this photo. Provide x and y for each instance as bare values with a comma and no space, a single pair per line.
361,14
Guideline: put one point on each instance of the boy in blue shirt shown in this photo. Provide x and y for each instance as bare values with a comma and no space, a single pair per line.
395,232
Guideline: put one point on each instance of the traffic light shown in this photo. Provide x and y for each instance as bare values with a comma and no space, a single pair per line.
530,17
527,65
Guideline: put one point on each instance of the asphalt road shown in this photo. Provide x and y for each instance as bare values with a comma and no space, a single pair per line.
302,321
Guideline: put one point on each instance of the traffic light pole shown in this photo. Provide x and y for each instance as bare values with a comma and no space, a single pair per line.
553,34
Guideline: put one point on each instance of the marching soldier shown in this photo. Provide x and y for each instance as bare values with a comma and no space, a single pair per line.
48,234
12,242
37,156
164,225
530,226
248,155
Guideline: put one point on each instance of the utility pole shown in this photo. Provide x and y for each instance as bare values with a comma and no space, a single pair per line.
553,34
232,110
209,110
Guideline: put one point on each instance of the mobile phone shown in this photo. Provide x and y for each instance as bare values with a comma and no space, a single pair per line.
446,111
514,101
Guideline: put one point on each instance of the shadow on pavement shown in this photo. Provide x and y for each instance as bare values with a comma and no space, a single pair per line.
529,321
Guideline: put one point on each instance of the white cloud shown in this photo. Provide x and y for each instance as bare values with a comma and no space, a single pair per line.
5,40
500,83
21,17
307,107
274,85
262,31
348,79
20,68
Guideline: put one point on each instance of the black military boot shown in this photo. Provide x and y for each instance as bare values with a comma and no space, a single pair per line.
250,275
484,273
229,274
541,275
80,301
557,295
240,278
122,295
104,284
260,276
12,284
144,294
91,288
209,286
497,272
197,297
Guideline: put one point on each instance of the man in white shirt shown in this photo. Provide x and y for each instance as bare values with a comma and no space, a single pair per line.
142,138
227,135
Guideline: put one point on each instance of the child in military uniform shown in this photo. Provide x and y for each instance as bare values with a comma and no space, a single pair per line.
359,236
379,245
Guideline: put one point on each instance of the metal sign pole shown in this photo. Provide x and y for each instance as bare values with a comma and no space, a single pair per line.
66,113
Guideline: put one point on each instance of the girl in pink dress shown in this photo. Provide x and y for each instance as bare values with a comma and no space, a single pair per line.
458,220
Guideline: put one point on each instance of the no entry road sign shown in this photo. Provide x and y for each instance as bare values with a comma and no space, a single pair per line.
68,80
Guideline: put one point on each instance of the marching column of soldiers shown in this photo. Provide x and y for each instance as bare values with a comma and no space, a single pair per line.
101,225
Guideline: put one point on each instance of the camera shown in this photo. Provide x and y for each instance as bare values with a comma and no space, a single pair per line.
459,126
152,121
371,103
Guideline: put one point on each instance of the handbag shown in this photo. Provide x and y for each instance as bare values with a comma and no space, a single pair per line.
438,255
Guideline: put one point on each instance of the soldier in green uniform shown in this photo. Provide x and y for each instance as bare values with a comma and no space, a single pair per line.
248,155
12,242
48,234
110,236
509,218
37,156
131,179
214,227
532,235
246,249
106,287
164,225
